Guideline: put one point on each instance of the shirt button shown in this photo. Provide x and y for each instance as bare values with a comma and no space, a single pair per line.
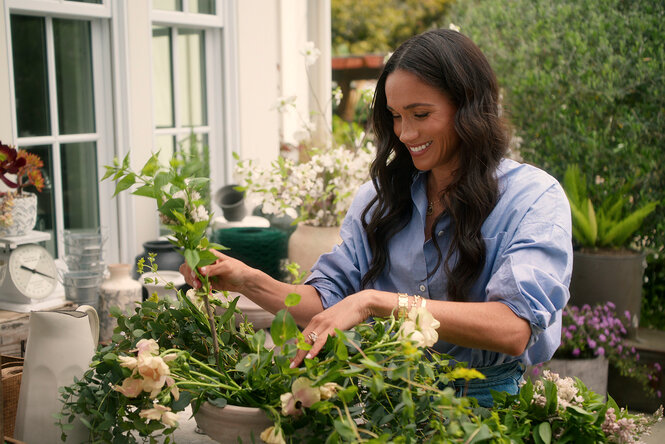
440,233
422,288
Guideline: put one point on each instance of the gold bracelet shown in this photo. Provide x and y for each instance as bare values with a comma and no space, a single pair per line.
402,304
424,303
416,300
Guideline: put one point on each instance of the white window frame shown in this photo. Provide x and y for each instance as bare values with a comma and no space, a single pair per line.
222,125
98,15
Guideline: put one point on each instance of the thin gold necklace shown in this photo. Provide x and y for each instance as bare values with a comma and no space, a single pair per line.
430,208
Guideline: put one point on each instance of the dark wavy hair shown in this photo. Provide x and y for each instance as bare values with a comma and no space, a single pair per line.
451,62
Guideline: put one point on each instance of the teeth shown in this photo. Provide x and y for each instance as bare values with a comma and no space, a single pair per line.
416,149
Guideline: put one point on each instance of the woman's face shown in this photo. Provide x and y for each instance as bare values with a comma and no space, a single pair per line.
423,119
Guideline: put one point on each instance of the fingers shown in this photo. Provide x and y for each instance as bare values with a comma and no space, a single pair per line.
190,276
318,341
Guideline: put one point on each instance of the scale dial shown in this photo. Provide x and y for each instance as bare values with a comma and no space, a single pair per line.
32,271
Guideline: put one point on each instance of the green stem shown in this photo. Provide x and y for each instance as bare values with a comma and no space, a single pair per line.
212,370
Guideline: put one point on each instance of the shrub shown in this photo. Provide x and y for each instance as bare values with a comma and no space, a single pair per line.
584,82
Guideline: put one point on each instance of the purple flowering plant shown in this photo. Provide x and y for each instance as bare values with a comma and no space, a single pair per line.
590,332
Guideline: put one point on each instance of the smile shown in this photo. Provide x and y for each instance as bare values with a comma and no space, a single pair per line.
419,148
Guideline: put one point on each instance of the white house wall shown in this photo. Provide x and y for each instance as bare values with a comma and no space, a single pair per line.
263,64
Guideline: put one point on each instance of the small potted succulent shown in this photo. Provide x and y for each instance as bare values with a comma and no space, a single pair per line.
19,169
606,264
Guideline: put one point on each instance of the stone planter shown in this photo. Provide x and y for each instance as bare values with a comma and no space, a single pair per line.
593,372
232,424
615,276
307,243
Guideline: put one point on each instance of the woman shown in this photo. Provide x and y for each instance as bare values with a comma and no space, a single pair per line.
446,220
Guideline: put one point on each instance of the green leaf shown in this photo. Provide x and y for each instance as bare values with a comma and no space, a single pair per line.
292,299
345,430
348,393
623,230
151,166
340,349
192,258
124,183
145,190
109,172
283,328
171,205
545,432
218,402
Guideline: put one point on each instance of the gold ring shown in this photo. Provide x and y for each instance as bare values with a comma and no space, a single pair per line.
313,337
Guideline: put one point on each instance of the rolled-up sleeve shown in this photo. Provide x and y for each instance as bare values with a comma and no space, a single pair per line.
534,268
337,274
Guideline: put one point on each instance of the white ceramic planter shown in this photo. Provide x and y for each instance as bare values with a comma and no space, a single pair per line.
24,215
307,243
121,291
230,424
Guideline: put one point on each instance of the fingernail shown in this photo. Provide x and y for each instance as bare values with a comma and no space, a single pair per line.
292,365
308,356
204,270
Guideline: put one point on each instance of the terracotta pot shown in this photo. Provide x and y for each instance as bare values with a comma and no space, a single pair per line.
308,242
232,424
24,215
593,372
615,276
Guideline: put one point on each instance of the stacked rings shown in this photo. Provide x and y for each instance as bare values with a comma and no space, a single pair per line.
313,337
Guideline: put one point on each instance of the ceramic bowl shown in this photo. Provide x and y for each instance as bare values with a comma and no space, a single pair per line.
160,279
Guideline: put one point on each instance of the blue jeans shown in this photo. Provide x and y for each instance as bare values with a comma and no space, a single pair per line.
502,378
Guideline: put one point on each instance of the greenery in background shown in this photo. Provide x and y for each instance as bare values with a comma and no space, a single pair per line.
379,26
584,82
653,299
604,225
194,158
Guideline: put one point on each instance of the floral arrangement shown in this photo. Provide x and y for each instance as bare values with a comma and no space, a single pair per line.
318,185
555,409
318,191
26,166
588,332
378,382
25,170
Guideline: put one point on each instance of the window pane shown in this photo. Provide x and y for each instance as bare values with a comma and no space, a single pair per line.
79,185
167,5
191,78
45,199
162,77
30,76
166,146
202,6
73,71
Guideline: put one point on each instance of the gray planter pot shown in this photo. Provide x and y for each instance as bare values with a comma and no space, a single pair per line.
592,372
602,276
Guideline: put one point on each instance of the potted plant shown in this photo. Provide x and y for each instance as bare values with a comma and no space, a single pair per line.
18,208
314,182
378,382
316,193
592,339
605,266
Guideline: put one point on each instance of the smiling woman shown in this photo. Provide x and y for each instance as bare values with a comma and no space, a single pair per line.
446,218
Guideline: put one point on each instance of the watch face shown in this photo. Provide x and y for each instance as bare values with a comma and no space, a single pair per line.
32,270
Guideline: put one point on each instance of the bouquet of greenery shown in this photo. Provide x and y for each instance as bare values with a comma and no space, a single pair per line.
378,382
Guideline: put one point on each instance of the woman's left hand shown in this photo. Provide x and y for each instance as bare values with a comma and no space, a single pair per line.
347,313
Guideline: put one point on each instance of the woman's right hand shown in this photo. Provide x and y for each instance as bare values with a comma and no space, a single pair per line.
226,273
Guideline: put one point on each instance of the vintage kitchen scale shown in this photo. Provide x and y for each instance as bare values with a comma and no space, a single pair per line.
28,274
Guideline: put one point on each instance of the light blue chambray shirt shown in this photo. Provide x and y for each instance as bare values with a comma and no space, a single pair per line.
528,264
